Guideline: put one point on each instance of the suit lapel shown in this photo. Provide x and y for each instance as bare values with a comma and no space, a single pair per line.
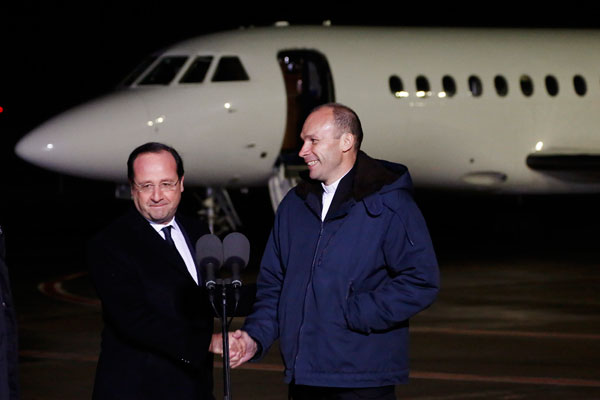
152,243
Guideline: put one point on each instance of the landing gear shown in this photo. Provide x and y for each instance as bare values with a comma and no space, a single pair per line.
218,211
280,183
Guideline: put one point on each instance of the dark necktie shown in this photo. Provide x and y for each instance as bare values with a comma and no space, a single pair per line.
167,231
169,239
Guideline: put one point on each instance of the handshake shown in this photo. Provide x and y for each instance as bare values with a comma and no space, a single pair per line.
241,347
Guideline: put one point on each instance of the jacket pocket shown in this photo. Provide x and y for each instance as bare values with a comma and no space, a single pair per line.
349,293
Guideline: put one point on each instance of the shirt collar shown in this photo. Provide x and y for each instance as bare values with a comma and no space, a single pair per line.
330,189
159,227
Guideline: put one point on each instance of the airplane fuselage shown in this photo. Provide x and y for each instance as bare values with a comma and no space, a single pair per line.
462,108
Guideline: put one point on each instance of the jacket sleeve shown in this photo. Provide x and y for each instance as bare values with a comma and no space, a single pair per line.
413,276
127,313
262,324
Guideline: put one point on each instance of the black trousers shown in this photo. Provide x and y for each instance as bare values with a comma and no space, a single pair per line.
302,392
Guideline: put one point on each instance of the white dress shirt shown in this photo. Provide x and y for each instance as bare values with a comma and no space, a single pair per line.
328,193
180,244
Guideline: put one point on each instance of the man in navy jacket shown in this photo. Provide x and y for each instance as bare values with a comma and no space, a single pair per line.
348,262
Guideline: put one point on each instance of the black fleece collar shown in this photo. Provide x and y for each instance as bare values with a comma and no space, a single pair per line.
368,176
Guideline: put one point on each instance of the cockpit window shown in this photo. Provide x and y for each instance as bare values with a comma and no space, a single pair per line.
230,68
138,70
197,71
165,71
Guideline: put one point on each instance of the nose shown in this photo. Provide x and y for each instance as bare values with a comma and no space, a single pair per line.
305,150
157,194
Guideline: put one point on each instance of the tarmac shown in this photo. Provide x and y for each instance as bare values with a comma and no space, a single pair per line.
518,316
516,328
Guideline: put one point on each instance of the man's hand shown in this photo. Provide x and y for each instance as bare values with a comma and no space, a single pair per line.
237,347
249,345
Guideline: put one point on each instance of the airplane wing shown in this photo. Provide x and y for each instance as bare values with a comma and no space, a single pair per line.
564,162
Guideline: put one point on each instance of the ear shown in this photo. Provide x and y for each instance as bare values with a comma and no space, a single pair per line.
347,141
181,182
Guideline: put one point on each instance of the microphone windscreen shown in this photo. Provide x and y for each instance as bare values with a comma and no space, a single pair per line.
210,247
236,245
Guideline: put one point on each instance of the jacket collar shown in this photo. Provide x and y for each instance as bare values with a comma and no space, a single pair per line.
151,241
367,176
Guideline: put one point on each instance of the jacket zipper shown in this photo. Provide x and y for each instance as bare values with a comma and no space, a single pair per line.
312,268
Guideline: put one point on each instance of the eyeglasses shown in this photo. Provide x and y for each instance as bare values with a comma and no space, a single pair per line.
163,186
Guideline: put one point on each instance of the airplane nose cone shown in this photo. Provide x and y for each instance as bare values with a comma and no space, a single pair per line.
36,148
91,141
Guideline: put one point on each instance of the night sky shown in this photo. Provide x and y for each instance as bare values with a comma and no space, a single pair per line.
55,56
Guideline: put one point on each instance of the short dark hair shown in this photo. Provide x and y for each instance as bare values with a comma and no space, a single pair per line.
346,120
153,147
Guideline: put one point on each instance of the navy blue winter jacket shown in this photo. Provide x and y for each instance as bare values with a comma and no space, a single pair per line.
339,293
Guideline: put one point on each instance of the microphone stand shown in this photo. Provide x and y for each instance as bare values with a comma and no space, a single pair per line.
224,284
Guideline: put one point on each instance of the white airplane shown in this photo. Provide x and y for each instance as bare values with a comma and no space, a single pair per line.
512,111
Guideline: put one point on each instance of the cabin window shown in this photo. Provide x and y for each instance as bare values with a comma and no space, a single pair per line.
551,85
579,84
230,68
501,85
526,85
396,87
449,86
165,71
475,86
137,72
197,71
423,89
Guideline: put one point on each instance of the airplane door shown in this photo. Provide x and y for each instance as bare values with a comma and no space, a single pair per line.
308,83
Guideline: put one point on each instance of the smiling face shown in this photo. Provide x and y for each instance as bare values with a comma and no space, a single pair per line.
156,171
328,153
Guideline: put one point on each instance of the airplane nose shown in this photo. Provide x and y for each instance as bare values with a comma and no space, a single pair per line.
83,141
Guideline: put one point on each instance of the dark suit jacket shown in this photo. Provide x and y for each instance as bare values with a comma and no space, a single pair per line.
157,321
9,380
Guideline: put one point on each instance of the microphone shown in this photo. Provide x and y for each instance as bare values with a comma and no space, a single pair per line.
209,257
236,252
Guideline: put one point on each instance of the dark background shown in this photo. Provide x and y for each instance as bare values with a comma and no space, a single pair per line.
56,55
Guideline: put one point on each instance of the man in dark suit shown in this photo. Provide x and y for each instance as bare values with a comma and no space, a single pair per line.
158,321
9,380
